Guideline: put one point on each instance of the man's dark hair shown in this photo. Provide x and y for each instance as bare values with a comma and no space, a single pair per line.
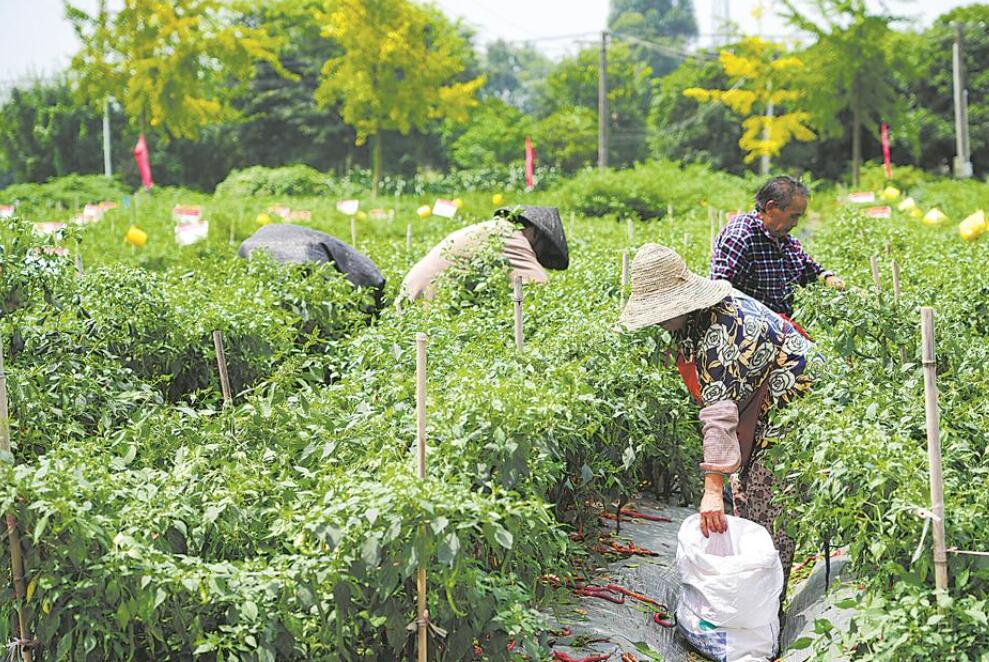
782,190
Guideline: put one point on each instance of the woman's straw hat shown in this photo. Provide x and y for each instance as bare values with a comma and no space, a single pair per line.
663,288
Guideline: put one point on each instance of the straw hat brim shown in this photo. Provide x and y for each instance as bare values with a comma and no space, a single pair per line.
693,293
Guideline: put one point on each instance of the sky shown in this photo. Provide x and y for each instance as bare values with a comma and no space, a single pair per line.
39,41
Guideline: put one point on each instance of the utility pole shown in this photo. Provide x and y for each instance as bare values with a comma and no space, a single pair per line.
603,104
963,164
107,165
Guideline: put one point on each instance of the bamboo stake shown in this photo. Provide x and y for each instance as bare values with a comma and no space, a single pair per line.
13,535
624,275
669,209
78,257
221,362
874,263
896,282
353,232
631,230
408,237
422,615
934,445
517,298
896,302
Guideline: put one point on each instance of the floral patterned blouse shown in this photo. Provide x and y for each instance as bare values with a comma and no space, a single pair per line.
737,344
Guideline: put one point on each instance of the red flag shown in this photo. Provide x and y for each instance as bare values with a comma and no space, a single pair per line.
885,136
530,163
143,163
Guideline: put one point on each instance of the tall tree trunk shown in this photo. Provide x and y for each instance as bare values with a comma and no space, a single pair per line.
375,162
856,130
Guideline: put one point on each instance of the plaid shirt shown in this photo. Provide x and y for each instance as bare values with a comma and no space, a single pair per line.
760,265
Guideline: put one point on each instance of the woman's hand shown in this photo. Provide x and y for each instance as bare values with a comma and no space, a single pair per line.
713,505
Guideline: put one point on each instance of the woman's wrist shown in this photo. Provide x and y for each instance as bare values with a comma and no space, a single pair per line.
714,482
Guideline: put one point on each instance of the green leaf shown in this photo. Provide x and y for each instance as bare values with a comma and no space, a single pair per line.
40,525
249,610
801,643
371,552
504,537
448,549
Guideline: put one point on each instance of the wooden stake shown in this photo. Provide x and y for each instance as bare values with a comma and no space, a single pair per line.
353,232
934,445
78,257
631,231
896,302
408,238
570,233
669,210
422,615
624,275
221,362
896,282
13,535
517,298
874,263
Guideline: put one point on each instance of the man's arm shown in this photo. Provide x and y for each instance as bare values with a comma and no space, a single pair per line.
731,255
811,270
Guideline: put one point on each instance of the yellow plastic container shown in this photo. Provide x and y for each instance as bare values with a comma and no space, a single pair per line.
263,219
907,205
934,217
973,226
889,194
425,211
136,236
458,203
497,199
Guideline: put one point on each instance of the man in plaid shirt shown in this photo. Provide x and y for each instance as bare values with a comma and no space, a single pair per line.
756,253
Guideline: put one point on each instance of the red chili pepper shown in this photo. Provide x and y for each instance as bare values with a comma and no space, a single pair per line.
560,656
664,620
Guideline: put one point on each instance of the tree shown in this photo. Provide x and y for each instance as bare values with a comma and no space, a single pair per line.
176,65
761,85
849,67
679,131
44,133
397,70
668,24
494,136
283,125
567,139
932,106
574,82
515,74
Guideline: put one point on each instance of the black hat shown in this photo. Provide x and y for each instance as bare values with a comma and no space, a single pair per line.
293,243
550,243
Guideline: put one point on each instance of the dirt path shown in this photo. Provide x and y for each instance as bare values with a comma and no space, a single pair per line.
602,627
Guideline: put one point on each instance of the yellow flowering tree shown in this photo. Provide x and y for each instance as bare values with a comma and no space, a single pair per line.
761,75
400,68
177,65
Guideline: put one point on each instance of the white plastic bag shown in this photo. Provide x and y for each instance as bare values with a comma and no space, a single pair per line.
732,582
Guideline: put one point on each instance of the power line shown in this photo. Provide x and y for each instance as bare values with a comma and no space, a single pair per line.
665,49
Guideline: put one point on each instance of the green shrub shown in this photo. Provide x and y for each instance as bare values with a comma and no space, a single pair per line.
645,190
35,201
300,180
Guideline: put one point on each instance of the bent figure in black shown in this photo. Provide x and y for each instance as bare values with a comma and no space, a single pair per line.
293,243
